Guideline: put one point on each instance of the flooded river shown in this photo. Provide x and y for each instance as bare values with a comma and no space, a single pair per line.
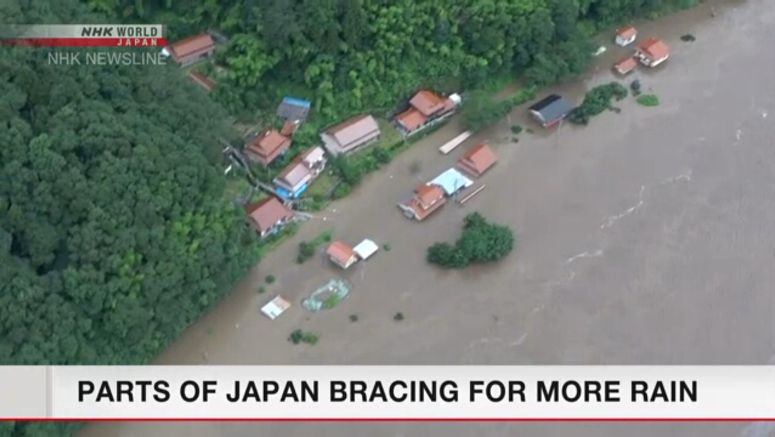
647,237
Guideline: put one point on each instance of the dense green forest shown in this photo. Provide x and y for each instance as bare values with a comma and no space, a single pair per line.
114,231
351,55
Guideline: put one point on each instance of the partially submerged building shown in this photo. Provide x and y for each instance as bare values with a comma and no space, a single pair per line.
268,216
341,254
351,135
652,52
477,160
551,110
295,178
626,66
626,36
426,108
191,50
427,199
267,146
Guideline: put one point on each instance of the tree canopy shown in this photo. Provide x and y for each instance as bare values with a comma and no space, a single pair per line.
480,242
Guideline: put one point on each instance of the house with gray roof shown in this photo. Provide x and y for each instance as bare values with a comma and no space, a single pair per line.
351,135
550,110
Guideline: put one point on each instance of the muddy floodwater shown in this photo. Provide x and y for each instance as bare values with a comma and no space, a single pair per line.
647,237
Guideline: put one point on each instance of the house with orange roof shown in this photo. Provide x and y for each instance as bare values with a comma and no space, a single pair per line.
626,66
268,216
626,36
477,160
652,52
427,199
202,80
267,146
191,50
425,108
341,254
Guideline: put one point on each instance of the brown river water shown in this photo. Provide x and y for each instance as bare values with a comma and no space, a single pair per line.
647,237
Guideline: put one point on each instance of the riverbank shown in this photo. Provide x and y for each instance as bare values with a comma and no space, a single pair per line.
645,237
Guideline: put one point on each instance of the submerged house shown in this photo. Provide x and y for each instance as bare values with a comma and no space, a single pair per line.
267,146
626,36
268,216
551,110
426,108
341,254
294,180
626,66
351,135
427,199
652,52
477,160
191,50
452,181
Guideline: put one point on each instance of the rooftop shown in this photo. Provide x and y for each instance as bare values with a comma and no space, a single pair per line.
479,158
626,32
452,181
267,213
191,45
654,48
353,129
411,119
341,253
269,142
427,102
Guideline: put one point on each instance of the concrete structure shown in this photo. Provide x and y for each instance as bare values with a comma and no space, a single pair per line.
477,160
426,108
268,216
427,199
351,135
625,66
192,49
267,146
652,52
452,181
626,36
294,180
551,110
341,254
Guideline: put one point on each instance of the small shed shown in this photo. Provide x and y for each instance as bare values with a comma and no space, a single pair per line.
626,66
275,307
366,248
292,108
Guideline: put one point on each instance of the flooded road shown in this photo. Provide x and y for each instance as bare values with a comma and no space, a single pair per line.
647,237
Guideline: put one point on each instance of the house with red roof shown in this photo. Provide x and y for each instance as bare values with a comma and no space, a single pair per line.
425,108
652,52
341,254
626,66
192,49
477,160
268,216
427,199
202,80
267,146
626,36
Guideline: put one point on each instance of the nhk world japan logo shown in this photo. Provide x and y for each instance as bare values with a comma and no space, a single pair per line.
83,35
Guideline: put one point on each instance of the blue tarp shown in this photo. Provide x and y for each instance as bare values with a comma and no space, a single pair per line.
452,181
297,102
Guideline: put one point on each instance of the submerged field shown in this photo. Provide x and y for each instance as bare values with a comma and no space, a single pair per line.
646,237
